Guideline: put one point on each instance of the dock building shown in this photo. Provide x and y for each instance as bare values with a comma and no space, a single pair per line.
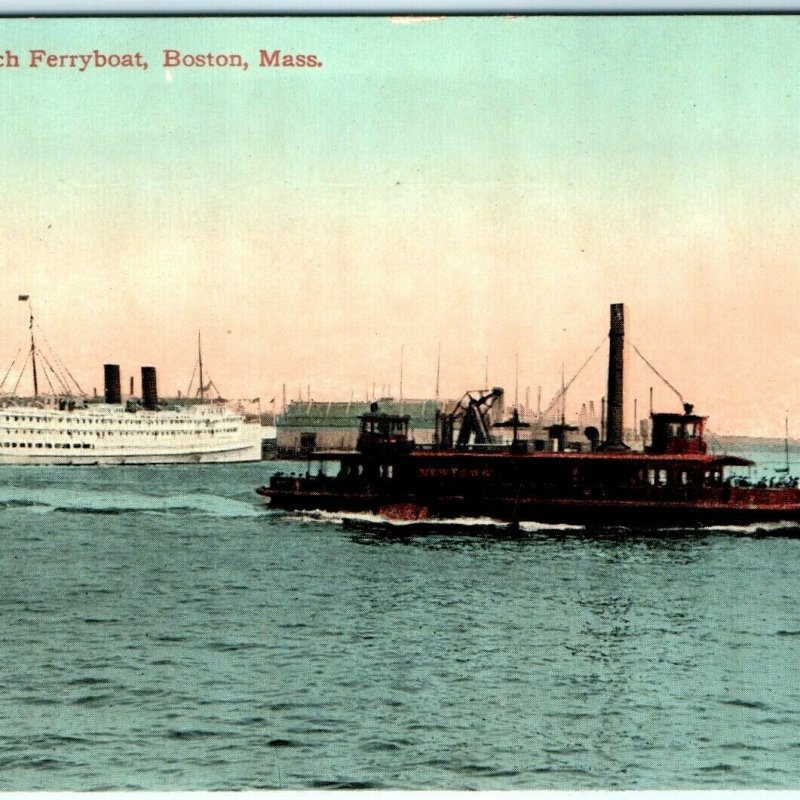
315,425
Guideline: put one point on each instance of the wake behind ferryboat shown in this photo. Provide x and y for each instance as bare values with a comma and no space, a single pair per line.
673,482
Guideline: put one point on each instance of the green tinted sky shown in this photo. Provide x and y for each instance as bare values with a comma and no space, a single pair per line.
492,183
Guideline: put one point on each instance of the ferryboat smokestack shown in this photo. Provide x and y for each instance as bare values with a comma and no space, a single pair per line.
616,342
149,390
113,389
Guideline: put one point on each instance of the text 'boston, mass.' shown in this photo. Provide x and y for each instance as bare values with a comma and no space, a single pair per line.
97,59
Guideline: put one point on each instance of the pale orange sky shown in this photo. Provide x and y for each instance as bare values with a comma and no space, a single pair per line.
488,184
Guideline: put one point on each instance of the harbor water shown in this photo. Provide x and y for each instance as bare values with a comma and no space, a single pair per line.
161,629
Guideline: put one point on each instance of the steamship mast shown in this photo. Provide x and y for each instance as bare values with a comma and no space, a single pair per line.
58,377
24,298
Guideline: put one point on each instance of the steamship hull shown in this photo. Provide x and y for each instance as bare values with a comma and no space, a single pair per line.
110,434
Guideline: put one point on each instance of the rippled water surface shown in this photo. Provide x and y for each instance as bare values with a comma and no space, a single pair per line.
161,629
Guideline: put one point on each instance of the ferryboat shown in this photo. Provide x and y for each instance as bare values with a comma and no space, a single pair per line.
675,482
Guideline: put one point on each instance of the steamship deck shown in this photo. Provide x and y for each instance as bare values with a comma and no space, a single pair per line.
110,434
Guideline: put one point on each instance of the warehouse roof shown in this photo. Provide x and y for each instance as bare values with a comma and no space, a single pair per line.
337,414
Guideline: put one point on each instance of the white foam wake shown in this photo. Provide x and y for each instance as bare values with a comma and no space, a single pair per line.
364,518
41,501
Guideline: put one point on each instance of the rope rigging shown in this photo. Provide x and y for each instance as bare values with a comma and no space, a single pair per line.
49,369
62,366
638,353
563,390
21,373
8,371
191,381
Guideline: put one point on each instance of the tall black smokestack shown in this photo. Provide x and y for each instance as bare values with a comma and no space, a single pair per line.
149,390
112,384
616,341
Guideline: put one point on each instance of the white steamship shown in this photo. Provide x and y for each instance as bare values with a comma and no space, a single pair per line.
70,431
105,433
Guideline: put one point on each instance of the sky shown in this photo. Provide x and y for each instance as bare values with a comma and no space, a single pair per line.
479,188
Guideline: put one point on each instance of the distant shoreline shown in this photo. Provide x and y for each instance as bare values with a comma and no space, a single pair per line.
734,441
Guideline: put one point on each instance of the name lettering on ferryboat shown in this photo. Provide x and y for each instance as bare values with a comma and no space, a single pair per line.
454,472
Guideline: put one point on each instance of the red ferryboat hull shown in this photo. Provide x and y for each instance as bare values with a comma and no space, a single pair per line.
563,511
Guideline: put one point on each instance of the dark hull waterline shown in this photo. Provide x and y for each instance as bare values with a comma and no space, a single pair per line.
558,511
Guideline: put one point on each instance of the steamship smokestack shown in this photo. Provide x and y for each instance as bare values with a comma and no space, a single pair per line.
149,390
616,341
113,390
